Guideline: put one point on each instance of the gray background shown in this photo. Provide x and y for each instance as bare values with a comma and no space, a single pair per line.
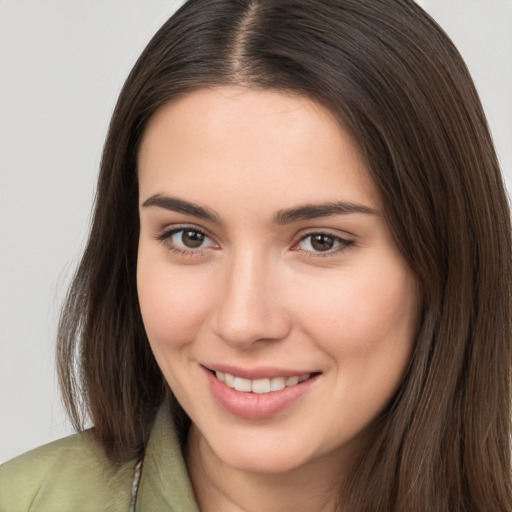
62,65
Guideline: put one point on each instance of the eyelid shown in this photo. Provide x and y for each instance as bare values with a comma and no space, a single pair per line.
343,242
176,228
165,234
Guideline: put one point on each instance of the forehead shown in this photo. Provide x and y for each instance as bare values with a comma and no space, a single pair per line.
246,142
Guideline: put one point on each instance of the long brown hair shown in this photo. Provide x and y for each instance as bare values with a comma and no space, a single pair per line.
394,79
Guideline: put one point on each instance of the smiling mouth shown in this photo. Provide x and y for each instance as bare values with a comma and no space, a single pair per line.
261,386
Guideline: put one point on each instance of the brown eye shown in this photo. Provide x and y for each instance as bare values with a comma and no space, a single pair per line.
322,242
186,240
192,239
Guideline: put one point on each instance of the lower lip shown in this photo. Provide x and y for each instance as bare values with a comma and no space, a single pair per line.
254,406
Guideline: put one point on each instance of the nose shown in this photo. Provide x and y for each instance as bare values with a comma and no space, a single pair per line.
249,309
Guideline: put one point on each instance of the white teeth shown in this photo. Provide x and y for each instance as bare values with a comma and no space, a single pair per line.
291,381
277,383
242,384
260,386
229,380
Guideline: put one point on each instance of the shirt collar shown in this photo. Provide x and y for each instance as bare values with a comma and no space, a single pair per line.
164,483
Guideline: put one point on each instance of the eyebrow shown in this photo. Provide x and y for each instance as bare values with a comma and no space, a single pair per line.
315,211
180,206
288,216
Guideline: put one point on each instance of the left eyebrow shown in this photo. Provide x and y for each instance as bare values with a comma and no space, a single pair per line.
314,211
181,206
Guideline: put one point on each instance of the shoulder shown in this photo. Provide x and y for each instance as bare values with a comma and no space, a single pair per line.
73,473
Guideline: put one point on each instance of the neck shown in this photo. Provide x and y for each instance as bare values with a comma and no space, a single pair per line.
220,487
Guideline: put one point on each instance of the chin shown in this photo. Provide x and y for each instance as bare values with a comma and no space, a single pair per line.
268,462
264,453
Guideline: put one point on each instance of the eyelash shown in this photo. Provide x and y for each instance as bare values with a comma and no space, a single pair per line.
165,236
343,244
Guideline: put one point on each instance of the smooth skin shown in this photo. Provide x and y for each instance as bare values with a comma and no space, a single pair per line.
226,277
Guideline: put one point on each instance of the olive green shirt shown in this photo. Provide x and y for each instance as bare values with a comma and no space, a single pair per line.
74,474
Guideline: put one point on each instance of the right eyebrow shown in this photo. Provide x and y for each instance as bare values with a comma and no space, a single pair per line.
180,206
315,211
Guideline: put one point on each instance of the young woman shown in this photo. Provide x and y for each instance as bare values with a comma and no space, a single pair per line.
296,290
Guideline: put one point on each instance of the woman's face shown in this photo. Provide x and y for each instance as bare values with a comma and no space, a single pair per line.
264,256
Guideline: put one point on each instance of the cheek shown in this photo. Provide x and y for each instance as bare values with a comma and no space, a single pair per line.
361,314
173,304
366,326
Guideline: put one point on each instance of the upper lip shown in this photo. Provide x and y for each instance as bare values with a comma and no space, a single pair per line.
260,372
